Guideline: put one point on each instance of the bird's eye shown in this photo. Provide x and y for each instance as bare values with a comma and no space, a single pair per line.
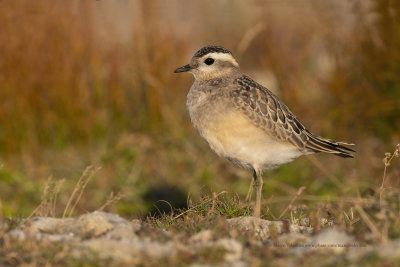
209,61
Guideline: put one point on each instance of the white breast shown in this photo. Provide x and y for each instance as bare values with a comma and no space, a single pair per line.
232,135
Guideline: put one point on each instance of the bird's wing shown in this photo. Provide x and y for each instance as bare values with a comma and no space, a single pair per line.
266,111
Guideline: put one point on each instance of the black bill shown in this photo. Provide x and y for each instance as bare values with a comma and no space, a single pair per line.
183,68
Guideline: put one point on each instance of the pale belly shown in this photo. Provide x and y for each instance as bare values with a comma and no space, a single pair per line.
233,136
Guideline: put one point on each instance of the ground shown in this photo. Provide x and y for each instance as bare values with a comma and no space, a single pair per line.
207,233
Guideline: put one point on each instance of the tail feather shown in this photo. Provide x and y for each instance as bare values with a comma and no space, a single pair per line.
320,144
336,143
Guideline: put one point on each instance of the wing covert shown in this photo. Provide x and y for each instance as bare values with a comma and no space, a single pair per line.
266,111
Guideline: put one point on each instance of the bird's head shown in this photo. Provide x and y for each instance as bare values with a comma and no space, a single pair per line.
211,62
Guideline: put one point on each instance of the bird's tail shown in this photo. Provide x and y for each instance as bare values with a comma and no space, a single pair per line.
321,144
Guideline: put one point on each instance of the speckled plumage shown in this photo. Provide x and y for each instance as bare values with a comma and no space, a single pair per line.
245,122
266,111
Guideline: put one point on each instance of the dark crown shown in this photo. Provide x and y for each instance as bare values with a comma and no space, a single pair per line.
211,49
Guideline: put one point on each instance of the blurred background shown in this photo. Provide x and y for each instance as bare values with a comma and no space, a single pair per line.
91,83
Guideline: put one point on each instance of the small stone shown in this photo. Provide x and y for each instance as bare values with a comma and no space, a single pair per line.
327,239
305,221
124,251
47,225
202,237
292,239
264,228
233,249
136,225
356,253
389,250
17,235
121,233
97,223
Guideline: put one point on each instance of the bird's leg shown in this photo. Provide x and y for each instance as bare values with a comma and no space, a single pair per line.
258,184
248,197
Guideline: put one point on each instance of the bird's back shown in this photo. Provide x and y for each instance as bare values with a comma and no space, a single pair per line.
268,112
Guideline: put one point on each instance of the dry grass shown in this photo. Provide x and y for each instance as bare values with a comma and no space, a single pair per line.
47,207
372,220
387,160
78,190
369,217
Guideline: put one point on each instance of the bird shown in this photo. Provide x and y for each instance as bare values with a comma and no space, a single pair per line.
245,122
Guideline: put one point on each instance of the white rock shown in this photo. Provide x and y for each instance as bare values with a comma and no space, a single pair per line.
327,239
232,247
59,238
17,235
356,253
291,240
47,225
98,223
202,237
136,225
21,235
125,251
122,233
389,250
264,228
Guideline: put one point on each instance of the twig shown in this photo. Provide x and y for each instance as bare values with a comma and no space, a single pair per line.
298,193
111,199
352,200
169,204
249,37
214,200
331,176
368,221
387,159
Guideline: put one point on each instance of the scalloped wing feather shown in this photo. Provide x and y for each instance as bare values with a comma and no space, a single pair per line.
266,111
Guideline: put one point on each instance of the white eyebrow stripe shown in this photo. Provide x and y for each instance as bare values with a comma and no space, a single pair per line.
222,57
